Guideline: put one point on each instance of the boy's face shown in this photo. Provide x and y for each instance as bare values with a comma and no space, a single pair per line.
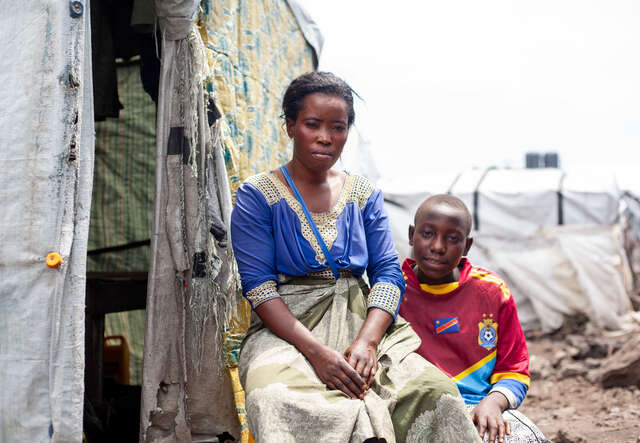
439,240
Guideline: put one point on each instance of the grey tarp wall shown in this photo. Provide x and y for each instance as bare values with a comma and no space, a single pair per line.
46,140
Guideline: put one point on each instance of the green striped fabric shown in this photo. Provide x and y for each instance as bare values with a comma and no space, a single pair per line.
122,202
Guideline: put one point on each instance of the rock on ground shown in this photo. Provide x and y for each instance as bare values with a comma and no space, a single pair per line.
584,385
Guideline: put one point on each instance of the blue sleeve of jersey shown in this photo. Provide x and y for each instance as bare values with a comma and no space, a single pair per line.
518,388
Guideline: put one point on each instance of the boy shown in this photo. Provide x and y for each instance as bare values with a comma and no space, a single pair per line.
467,321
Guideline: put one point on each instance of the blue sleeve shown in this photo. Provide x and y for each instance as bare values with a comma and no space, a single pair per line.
253,245
385,275
511,371
517,388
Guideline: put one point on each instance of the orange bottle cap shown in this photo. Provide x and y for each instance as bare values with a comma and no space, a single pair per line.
53,260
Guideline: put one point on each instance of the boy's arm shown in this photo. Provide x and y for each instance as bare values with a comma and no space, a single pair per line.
510,376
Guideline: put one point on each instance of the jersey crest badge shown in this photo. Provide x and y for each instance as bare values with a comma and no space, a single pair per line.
488,332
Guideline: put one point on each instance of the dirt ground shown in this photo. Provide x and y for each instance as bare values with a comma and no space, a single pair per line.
585,384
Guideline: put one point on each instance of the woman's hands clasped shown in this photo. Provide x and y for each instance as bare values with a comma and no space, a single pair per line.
361,355
351,372
334,371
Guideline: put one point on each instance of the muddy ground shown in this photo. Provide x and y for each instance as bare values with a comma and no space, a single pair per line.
585,384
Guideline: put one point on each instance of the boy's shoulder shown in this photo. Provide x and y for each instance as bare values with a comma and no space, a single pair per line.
489,280
480,278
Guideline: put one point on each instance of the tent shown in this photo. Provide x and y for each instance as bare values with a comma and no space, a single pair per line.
554,236
224,68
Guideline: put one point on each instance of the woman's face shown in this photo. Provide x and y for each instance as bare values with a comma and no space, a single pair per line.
320,131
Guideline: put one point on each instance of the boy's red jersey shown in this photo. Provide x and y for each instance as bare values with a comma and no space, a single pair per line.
470,330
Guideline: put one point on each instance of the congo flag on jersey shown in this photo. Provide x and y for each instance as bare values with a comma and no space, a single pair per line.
446,325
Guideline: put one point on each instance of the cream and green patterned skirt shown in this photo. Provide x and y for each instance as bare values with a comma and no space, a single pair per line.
409,401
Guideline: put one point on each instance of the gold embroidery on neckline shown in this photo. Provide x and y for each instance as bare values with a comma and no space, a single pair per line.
356,189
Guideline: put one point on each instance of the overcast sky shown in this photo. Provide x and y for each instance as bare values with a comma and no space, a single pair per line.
463,83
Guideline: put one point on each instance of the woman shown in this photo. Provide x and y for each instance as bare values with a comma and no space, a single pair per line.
326,359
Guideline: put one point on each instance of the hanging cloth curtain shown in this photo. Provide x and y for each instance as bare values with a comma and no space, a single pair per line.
193,289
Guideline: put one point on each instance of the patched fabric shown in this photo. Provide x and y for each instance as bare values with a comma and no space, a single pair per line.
231,54
251,66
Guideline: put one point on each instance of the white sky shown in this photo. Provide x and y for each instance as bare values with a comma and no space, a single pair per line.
463,83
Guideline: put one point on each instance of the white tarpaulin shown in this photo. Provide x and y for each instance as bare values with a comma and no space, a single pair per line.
550,234
560,271
515,202
590,198
46,116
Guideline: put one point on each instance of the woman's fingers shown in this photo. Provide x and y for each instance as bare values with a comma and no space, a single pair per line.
365,375
372,372
352,373
354,391
343,377
338,385
347,386
358,365
354,377
365,366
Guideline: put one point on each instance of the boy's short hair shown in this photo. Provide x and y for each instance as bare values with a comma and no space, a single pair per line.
449,200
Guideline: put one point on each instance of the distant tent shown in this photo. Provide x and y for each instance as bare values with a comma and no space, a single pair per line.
554,236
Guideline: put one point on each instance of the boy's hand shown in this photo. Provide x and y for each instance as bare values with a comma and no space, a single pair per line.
487,415
362,357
